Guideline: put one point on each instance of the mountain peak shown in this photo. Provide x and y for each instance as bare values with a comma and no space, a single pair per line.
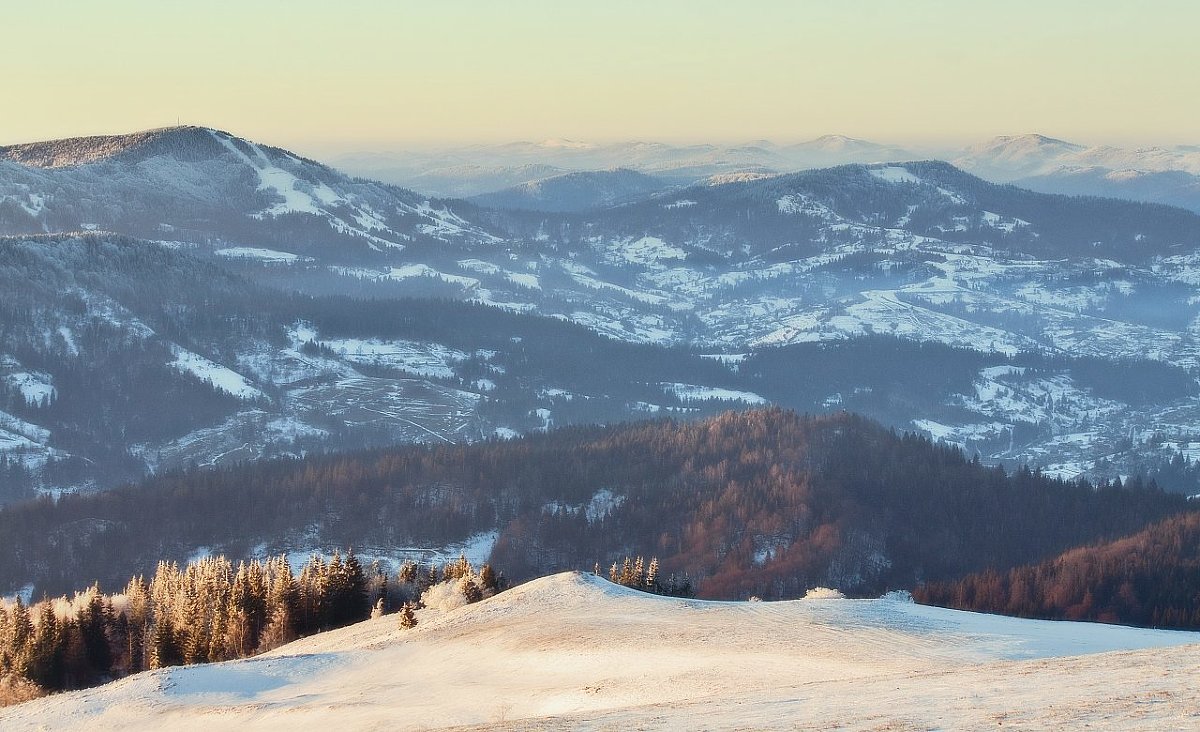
560,143
185,142
1026,144
835,143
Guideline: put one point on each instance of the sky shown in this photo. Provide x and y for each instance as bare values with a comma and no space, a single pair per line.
328,77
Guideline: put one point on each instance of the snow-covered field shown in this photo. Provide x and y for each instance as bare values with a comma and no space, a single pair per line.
572,651
219,376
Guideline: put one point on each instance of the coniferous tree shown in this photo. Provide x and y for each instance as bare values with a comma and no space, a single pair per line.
488,580
408,618
652,575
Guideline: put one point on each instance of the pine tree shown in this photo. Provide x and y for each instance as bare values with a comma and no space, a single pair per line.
279,630
432,577
356,602
652,575
470,589
407,575
488,581
46,659
160,646
408,618
93,619
283,602
313,578
377,586
137,615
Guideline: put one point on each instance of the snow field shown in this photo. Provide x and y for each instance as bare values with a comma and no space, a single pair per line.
219,376
572,651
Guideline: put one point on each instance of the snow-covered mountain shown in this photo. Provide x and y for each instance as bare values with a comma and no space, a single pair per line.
735,265
1008,157
194,183
572,651
1170,187
830,150
466,171
1031,160
1154,175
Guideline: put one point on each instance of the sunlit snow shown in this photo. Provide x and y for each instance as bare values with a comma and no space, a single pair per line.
572,651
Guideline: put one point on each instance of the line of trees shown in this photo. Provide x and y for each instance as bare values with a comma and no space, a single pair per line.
210,610
637,574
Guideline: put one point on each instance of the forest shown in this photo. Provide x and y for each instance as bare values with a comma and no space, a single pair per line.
1151,578
765,502
212,610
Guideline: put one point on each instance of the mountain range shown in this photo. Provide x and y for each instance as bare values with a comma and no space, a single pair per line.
1150,174
189,266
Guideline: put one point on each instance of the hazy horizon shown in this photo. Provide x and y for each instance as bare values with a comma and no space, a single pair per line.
334,148
370,77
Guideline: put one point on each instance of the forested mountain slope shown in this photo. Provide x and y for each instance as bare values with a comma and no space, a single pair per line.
1150,578
763,502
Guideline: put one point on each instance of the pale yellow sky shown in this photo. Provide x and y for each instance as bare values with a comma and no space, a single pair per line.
324,77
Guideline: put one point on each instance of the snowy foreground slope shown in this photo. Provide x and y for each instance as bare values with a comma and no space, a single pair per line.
572,651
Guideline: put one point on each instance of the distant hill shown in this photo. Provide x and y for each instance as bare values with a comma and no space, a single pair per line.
471,179
1171,187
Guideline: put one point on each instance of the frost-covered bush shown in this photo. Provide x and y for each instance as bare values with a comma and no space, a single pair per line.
444,597
824,593
898,596
454,593
15,689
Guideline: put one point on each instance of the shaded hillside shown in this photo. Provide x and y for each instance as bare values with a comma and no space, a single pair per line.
1151,578
763,502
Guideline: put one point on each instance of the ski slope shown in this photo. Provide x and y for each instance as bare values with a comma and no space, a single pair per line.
572,651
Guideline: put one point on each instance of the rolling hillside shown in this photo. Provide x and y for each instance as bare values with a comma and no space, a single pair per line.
574,652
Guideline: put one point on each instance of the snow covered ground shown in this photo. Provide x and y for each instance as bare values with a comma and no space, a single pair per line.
572,651
219,376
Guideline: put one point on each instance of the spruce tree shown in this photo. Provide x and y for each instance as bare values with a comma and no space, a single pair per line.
488,581
652,575
408,618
